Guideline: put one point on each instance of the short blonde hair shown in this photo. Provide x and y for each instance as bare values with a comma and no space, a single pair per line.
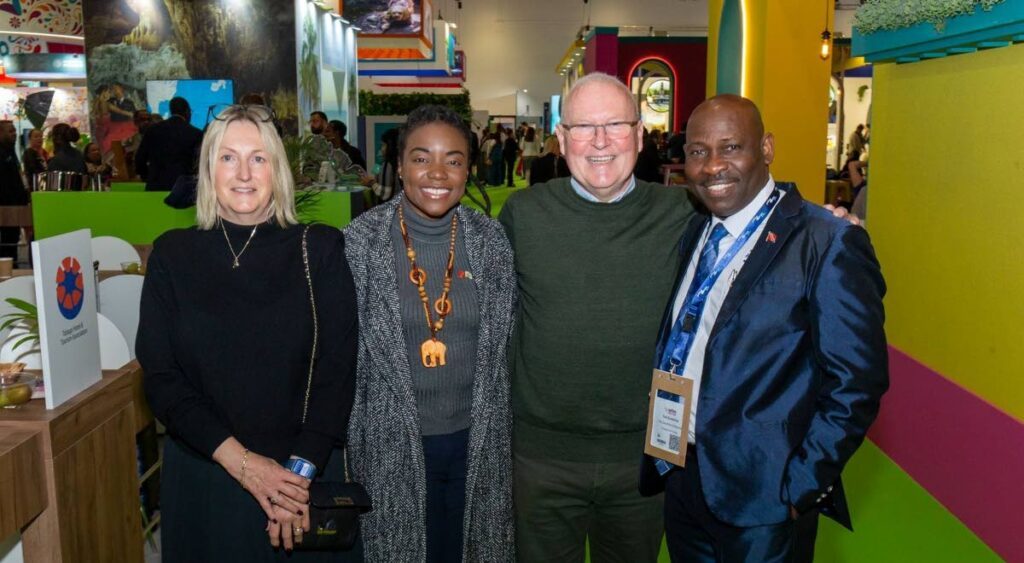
282,193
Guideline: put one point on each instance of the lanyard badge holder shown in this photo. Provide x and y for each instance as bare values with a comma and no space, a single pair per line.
668,417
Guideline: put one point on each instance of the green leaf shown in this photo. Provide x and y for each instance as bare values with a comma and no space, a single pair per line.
29,338
23,305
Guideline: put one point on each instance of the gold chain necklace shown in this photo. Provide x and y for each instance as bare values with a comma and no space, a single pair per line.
231,248
432,351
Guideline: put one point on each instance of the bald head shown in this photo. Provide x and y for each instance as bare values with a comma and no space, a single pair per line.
731,104
601,85
727,153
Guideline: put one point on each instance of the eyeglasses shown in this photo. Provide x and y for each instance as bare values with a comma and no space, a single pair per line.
613,130
230,112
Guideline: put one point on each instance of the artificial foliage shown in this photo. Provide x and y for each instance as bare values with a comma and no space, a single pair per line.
888,15
403,104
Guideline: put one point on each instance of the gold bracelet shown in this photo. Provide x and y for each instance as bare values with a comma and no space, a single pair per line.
245,459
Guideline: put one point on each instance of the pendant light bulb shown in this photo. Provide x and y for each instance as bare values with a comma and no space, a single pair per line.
826,45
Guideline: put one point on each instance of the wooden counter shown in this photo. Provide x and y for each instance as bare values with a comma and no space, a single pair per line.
22,492
89,471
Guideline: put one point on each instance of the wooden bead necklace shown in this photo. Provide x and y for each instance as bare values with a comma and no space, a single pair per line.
432,351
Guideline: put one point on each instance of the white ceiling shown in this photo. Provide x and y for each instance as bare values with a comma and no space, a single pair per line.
516,44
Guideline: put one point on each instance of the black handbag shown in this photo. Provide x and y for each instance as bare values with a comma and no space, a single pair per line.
334,506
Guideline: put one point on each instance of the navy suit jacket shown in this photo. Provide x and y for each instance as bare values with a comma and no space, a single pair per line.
794,369
168,150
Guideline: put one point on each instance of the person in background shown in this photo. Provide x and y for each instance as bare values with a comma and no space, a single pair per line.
856,143
485,168
529,149
34,157
339,129
66,157
169,148
510,153
12,188
317,122
386,182
226,341
430,431
648,164
495,160
94,163
141,119
549,164
676,154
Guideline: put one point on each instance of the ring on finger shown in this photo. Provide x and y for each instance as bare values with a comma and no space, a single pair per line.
297,530
273,500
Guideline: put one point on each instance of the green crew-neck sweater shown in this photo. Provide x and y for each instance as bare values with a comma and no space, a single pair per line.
594,279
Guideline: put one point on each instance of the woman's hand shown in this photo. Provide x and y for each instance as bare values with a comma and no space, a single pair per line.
270,484
287,529
274,486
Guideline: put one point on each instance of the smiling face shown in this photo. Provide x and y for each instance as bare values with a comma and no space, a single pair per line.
602,165
243,175
434,168
727,154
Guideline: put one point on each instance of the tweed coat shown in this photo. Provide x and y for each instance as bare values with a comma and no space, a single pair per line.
384,441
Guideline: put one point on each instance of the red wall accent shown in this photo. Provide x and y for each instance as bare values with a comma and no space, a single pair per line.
965,452
602,54
689,60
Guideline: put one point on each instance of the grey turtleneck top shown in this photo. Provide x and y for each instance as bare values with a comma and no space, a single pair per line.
444,394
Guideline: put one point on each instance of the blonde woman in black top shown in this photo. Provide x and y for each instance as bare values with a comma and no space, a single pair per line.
225,337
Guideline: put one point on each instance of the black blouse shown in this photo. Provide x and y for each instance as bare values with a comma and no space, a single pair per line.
226,351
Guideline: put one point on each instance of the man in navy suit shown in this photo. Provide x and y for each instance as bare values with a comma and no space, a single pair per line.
169,149
785,346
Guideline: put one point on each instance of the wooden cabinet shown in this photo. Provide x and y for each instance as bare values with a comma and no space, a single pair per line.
88,469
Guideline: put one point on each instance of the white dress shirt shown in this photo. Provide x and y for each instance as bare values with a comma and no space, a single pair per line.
734,224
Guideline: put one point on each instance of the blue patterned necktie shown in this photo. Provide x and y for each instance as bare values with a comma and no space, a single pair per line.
705,265
708,258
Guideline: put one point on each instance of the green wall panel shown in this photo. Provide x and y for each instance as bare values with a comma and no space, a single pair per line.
140,217
894,520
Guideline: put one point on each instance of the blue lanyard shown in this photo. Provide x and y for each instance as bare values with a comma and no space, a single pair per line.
685,327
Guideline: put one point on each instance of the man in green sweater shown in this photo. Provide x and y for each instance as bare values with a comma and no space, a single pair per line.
596,258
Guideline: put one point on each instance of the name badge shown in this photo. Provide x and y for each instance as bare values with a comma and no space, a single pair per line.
668,417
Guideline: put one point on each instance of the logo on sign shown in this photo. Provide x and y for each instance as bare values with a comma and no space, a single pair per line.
70,294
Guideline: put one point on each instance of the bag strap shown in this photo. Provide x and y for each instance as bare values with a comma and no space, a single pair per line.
316,339
316,325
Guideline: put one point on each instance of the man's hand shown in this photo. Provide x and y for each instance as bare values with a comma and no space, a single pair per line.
842,213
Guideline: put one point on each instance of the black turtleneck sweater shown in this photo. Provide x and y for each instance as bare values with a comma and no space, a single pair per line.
444,394
226,351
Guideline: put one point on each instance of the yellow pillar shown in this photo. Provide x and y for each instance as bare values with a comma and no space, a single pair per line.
781,71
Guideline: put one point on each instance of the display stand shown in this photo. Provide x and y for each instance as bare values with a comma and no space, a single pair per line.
89,472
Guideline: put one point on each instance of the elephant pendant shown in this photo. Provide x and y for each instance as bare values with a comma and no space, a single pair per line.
432,353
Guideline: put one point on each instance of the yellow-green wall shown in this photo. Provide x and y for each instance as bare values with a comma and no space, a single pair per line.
944,211
787,79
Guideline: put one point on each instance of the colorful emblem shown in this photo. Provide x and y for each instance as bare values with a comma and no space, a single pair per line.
70,287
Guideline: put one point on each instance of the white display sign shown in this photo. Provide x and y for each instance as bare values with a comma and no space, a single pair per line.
69,336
